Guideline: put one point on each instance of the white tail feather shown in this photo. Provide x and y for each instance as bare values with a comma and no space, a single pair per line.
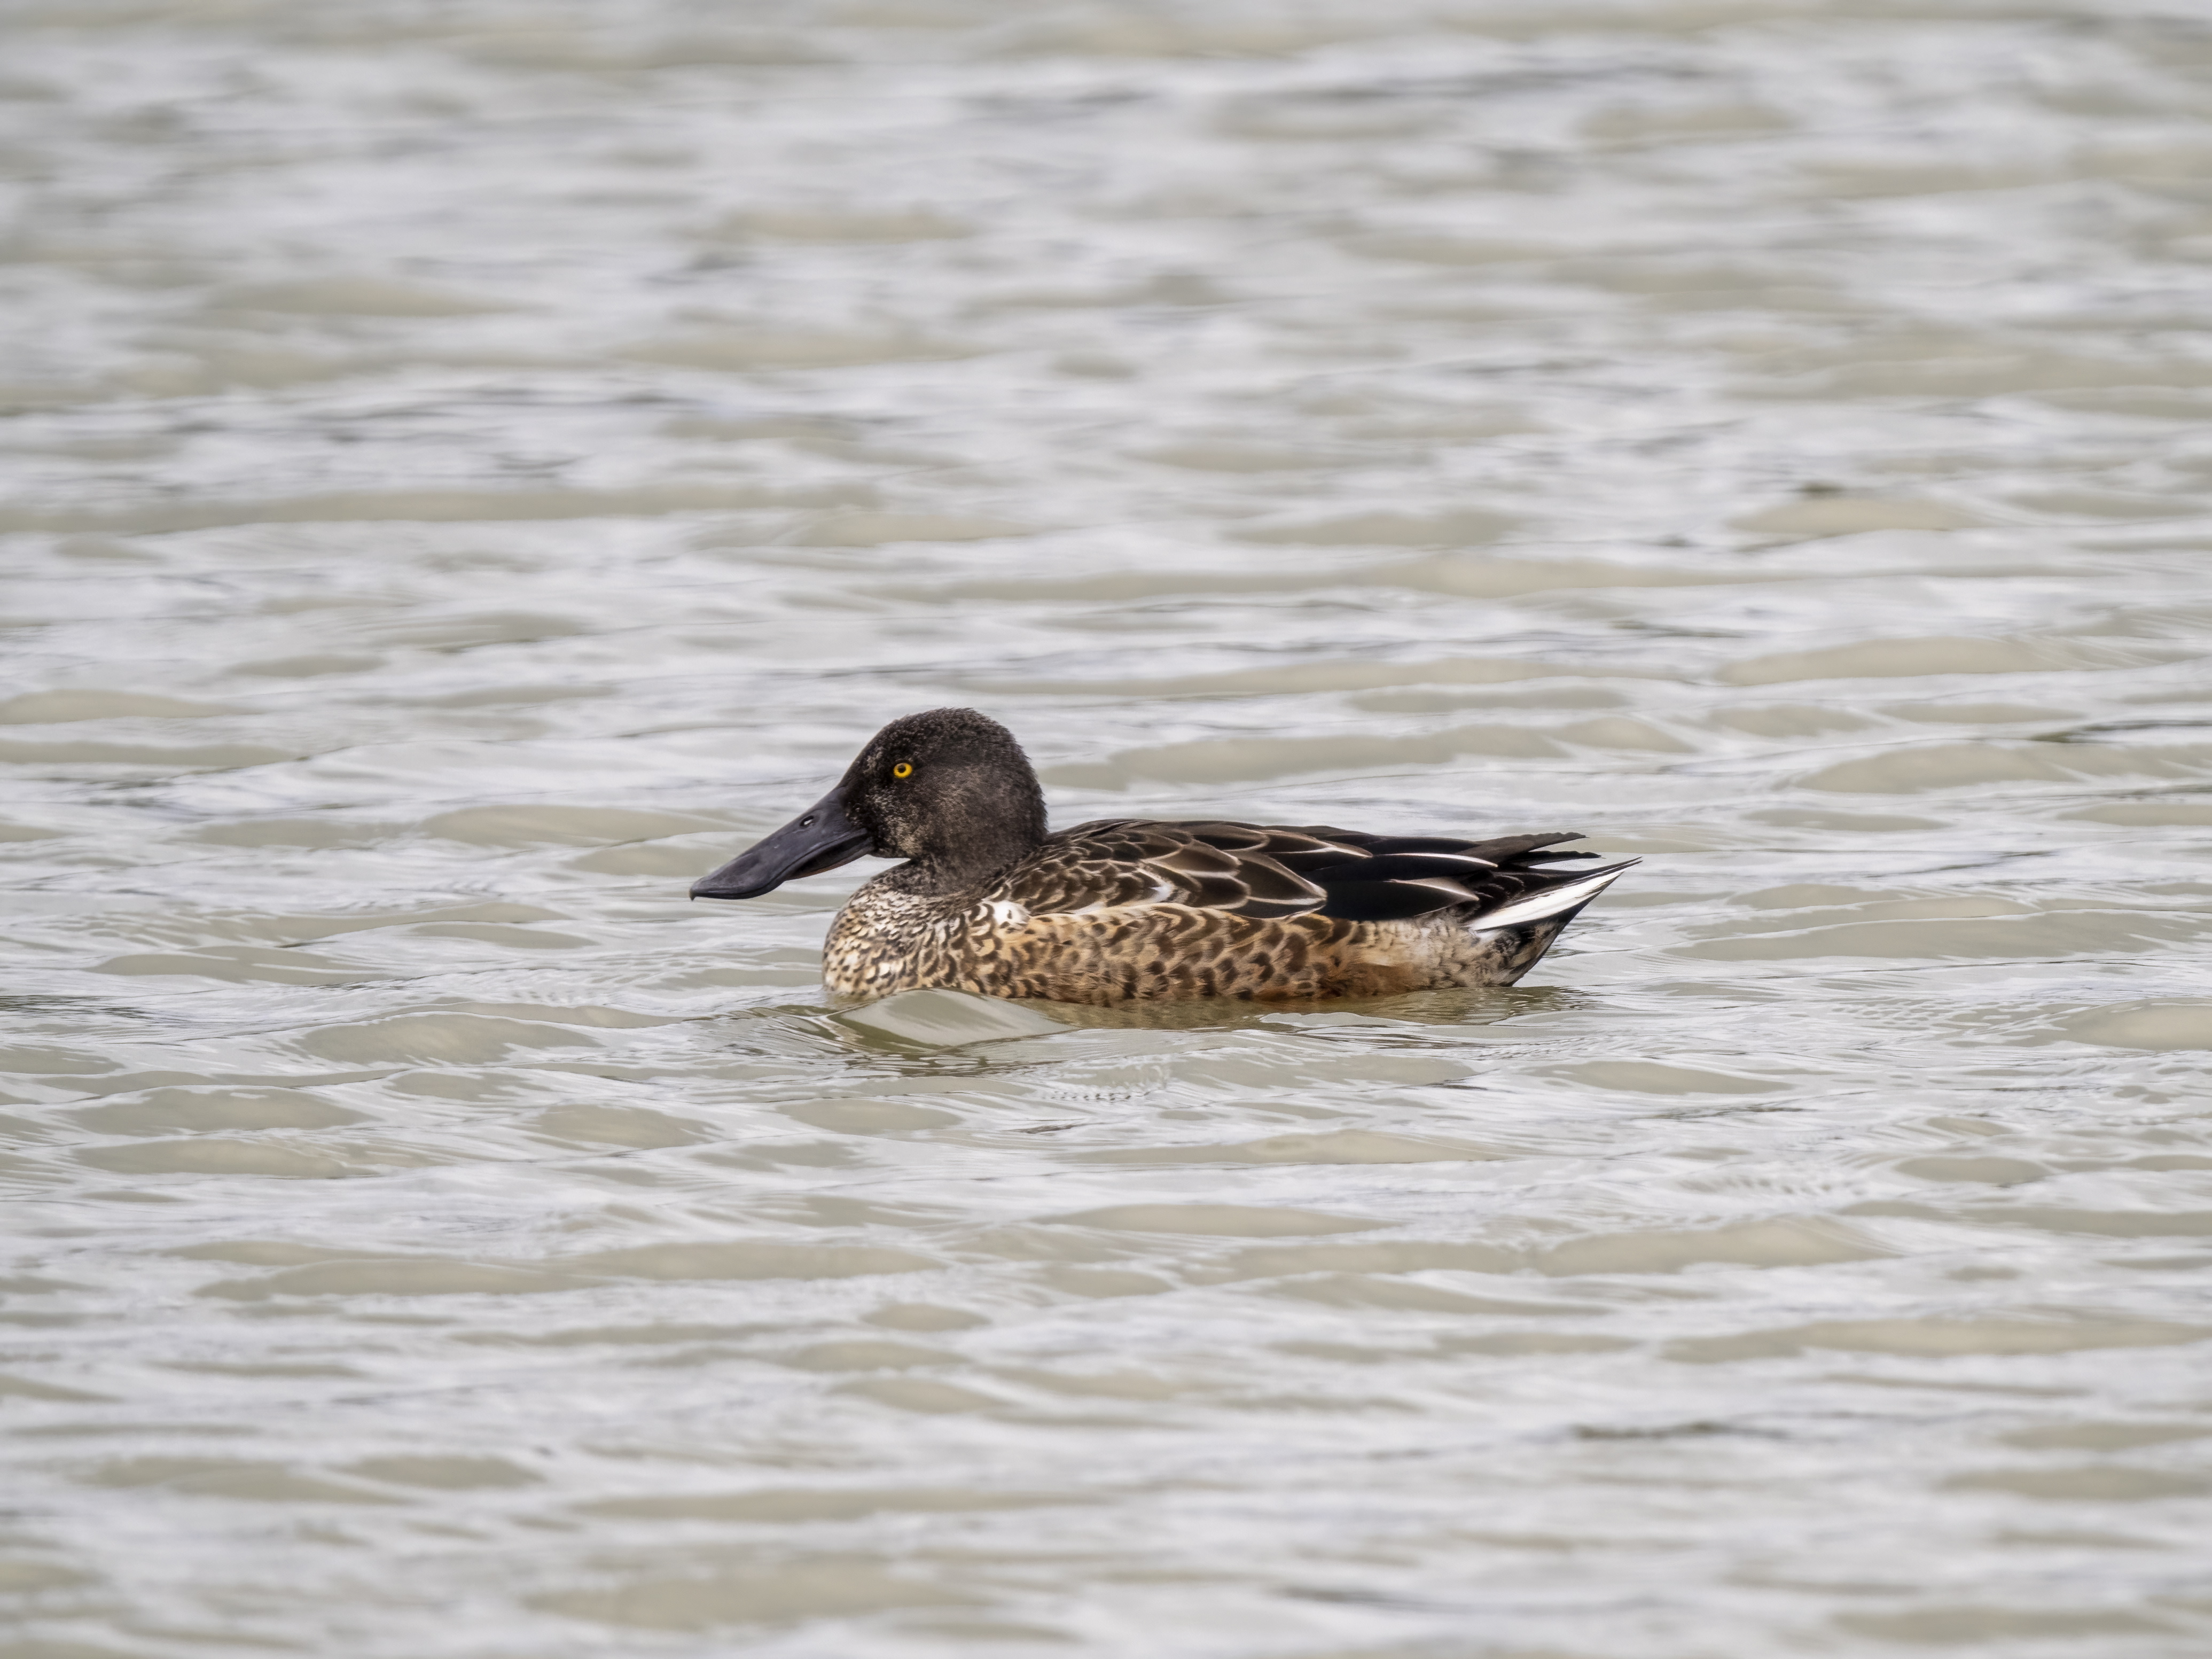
1551,902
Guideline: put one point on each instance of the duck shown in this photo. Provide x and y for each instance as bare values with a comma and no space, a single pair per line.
989,902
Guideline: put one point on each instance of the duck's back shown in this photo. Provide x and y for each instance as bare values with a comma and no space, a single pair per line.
1130,910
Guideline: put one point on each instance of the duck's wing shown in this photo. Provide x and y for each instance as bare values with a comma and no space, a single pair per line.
1235,867
1267,871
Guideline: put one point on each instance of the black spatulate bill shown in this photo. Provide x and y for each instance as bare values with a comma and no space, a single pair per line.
821,838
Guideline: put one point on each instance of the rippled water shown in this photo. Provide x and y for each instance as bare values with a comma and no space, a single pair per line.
470,468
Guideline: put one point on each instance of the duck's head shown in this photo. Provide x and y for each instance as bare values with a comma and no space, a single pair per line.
949,789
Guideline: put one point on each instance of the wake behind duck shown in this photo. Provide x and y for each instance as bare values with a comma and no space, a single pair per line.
1131,909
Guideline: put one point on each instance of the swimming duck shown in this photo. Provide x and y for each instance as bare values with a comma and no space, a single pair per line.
1131,909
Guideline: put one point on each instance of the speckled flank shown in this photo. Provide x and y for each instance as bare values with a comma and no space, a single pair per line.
884,941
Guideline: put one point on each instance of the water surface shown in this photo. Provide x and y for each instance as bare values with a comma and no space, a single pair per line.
470,469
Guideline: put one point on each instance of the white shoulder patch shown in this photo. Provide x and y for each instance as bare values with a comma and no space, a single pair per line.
1006,913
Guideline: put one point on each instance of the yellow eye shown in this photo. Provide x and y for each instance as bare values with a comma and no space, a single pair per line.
901,770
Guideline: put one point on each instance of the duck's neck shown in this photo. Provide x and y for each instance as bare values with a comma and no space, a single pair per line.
970,850
947,872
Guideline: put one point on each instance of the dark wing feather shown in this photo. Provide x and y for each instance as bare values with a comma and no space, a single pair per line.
1266,870
1527,849
1212,866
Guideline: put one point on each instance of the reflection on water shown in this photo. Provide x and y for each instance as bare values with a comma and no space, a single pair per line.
468,470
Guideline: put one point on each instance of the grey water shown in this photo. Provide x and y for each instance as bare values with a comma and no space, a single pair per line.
466,469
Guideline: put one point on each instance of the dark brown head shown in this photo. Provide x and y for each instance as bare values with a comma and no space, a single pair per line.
949,790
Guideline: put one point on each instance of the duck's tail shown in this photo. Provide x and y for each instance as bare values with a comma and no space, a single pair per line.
1557,903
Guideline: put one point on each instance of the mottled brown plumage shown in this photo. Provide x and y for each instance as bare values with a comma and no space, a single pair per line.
1125,909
